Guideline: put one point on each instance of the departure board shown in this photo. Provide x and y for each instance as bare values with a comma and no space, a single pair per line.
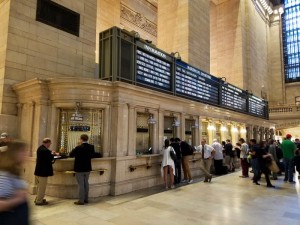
153,67
257,106
233,97
196,84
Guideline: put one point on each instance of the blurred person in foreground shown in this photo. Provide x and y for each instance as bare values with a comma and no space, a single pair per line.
4,139
13,190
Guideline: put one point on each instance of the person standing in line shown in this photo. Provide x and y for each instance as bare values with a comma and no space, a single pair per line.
175,143
168,165
243,157
43,170
207,153
185,151
14,208
82,167
229,155
218,157
288,148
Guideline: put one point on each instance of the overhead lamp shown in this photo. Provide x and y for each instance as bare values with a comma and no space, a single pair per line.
280,10
243,131
135,34
234,129
176,55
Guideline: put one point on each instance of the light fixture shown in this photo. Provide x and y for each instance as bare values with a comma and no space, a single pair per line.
234,129
76,116
224,128
281,10
135,34
176,55
176,123
151,120
195,126
243,131
223,79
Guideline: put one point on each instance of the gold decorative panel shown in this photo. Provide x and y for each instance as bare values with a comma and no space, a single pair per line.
72,125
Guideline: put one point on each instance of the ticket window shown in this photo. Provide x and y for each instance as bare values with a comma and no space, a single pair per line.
144,134
204,130
170,127
190,131
73,124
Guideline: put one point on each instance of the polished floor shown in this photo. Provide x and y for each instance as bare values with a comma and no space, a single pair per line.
227,200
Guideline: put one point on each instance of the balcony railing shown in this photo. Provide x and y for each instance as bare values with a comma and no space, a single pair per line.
284,109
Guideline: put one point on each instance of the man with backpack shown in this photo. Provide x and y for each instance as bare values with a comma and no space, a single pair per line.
175,143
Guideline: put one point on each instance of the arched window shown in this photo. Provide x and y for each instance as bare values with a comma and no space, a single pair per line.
291,40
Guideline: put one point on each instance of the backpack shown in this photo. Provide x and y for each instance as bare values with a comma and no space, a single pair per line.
191,150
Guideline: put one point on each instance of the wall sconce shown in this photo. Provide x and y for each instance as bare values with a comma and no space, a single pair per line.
195,126
211,127
243,131
224,128
76,116
234,129
176,55
176,123
151,120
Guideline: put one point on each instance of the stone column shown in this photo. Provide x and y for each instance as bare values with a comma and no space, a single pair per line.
181,128
119,127
131,130
160,125
106,131
183,26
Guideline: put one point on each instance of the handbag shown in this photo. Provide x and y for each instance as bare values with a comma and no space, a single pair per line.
173,154
273,167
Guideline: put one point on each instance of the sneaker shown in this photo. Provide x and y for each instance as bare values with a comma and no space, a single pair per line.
190,181
183,181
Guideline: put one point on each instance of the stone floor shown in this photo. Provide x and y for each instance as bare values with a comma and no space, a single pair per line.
227,200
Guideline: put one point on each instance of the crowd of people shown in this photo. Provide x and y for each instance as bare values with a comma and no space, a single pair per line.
269,157
266,157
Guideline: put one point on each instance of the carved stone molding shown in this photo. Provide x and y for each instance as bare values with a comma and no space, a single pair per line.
139,20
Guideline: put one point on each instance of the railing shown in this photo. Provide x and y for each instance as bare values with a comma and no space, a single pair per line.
284,109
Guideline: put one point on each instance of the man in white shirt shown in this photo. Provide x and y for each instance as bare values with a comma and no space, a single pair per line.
207,153
243,156
218,157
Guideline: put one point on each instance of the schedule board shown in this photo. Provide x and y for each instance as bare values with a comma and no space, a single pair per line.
196,84
233,97
257,106
153,67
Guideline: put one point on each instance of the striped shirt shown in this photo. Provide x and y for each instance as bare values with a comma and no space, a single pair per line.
9,184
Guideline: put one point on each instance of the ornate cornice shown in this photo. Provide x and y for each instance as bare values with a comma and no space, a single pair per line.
139,20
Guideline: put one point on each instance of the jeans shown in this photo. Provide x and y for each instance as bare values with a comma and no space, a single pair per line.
289,169
256,169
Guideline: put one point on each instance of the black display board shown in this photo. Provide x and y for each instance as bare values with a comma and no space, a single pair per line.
153,67
233,97
257,106
124,56
196,84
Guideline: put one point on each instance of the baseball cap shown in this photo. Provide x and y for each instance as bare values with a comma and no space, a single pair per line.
288,136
